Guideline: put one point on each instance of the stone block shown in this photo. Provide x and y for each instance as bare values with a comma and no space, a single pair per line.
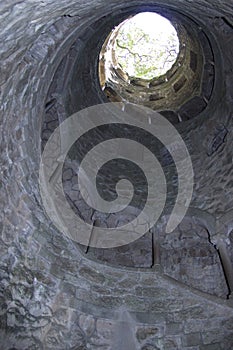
214,336
192,339
91,274
215,346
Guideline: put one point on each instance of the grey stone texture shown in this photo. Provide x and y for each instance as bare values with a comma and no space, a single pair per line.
53,296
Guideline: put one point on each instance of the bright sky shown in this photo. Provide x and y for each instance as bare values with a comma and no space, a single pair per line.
152,23
160,31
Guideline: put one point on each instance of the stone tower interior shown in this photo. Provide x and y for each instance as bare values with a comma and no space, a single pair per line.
162,291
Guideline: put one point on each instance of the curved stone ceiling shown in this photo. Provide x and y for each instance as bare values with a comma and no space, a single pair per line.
53,296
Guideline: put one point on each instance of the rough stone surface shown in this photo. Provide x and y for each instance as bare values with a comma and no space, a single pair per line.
52,296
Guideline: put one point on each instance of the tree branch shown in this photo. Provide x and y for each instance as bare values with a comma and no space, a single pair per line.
132,53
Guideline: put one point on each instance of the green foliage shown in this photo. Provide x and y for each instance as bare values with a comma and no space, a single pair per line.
143,55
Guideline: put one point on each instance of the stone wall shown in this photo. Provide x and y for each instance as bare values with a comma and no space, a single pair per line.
52,295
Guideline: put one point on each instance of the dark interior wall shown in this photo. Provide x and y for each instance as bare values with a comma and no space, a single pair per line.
52,296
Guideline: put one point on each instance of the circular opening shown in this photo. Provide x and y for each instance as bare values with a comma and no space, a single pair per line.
158,62
145,46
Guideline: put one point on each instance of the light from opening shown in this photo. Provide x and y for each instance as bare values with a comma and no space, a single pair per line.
146,46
